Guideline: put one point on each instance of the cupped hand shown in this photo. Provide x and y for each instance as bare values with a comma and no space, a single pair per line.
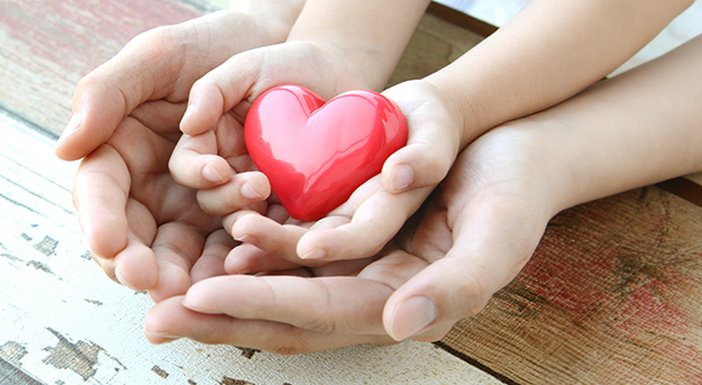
470,239
358,228
143,228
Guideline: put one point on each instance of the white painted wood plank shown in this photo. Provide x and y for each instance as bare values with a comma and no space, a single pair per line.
64,322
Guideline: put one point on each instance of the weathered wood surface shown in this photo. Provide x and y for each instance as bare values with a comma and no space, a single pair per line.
611,297
61,320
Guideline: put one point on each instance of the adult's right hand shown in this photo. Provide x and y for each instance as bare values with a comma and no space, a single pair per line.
143,228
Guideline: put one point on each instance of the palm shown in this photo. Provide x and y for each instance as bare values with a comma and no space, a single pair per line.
137,220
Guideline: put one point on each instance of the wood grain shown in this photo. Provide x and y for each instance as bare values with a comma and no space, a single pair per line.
47,46
612,295
63,321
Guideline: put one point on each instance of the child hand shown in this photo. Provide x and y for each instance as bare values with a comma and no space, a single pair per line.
373,214
144,229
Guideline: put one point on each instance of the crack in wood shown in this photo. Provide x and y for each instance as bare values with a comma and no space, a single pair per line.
47,246
233,381
161,373
40,266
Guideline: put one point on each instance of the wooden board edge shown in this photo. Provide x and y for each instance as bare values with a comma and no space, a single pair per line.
461,19
683,188
475,363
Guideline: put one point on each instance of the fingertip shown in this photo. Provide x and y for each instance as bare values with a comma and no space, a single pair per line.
106,241
214,171
205,107
172,281
409,317
159,326
137,268
397,177
415,166
65,149
313,245
199,296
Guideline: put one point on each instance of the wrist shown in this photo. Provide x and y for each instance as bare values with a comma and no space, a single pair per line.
465,110
361,62
275,19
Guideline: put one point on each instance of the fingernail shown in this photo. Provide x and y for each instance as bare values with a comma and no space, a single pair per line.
71,127
248,192
211,173
315,254
402,177
245,238
411,316
162,338
189,110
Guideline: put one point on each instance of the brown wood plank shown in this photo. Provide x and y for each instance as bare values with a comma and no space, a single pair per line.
684,188
612,295
697,178
47,46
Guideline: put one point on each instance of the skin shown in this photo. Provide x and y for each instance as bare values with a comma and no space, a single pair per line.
509,75
334,46
143,228
165,244
454,255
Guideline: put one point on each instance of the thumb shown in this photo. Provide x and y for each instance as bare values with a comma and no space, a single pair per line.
487,253
105,96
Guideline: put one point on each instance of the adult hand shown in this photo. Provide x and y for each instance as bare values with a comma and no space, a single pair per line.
143,228
472,238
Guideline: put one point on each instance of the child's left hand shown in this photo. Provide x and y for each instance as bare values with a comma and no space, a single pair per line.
361,226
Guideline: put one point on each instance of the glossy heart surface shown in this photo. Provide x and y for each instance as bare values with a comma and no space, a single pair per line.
315,154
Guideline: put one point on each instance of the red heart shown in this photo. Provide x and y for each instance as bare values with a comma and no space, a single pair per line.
316,154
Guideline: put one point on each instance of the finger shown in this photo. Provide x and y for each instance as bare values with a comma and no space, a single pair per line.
170,320
135,266
479,263
244,189
100,191
176,247
374,223
219,91
113,90
195,163
161,117
249,259
432,146
326,305
268,235
212,261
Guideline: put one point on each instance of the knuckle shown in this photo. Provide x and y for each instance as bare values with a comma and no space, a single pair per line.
157,37
294,343
474,293
319,320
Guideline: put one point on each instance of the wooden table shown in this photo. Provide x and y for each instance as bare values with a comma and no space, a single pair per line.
611,296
